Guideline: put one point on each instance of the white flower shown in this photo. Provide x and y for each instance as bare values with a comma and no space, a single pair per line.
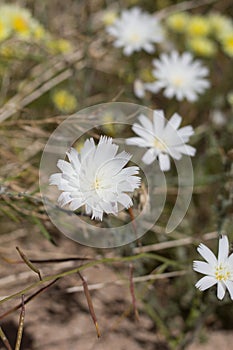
96,178
219,271
136,30
138,88
163,138
180,76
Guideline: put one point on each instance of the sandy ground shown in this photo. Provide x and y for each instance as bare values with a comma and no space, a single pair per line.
59,320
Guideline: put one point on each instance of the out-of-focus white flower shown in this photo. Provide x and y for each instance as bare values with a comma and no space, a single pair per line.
180,76
95,178
139,88
136,30
218,117
163,139
218,271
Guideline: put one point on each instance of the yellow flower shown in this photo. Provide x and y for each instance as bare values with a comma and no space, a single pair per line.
4,30
227,43
59,46
220,24
202,46
64,46
109,17
20,24
178,22
18,19
198,26
64,101
38,31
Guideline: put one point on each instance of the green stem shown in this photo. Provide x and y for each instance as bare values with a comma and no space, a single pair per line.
91,264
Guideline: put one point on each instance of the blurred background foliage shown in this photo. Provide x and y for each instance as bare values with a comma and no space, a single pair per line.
56,58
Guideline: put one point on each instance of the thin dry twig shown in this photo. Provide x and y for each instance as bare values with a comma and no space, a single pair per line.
121,282
10,311
21,324
183,6
43,82
132,292
174,243
5,340
90,304
29,263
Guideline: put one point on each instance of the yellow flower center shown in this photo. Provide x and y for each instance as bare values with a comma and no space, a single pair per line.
97,184
229,42
134,38
177,81
222,273
20,24
159,144
198,26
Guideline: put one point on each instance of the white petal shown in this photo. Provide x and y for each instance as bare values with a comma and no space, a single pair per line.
186,149
146,123
108,208
149,48
186,132
55,179
152,87
221,289
124,155
89,146
64,198
175,121
142,132
203,267
159,122
137,141
125,200
73,156
223,249
207,254
164,162
105,150
65,166
97,214
111,167
229,285
174,153
149,156
75,204
65,186
205,283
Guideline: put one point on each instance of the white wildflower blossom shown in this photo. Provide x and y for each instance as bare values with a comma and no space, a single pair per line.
96,178
136,30
180,76
163,139
139,88
217,270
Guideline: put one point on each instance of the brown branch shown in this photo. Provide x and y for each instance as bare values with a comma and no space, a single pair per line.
28,299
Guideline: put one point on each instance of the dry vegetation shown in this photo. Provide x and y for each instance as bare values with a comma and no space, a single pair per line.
78,57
